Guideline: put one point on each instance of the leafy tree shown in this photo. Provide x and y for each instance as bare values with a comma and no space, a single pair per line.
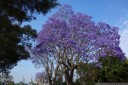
107,69
22,10
87,73
71,38
13,36
112,70
11,83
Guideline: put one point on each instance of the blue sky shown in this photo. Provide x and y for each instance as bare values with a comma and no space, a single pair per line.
113,12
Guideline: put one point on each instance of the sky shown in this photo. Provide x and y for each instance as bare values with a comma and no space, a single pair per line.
113,12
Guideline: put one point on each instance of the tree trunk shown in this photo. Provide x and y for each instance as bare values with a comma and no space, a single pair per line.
69,83
69,77
50,81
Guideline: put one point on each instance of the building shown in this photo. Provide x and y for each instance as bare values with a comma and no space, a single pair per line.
42,78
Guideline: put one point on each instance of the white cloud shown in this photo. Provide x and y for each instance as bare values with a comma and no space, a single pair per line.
124,36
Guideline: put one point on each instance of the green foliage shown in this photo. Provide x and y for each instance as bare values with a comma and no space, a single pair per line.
87,73
13,40
77,82
109,69
112,70
11,83
14,37
23,10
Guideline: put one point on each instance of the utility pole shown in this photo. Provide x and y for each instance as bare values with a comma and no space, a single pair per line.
23,80
31,80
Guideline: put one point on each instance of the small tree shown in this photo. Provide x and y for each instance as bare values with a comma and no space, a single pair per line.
71,38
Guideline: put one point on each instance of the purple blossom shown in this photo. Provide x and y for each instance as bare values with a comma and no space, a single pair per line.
67,29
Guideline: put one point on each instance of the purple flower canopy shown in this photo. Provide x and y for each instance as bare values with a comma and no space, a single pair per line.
78,34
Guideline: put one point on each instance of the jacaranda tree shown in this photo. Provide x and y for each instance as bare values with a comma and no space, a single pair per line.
71,38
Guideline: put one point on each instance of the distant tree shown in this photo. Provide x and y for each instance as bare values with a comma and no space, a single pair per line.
71,38
13,36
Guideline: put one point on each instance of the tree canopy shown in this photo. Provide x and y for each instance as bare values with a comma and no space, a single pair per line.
71,38
13,36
